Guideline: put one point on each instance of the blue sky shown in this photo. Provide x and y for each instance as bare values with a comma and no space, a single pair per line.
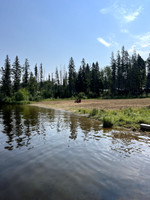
51,31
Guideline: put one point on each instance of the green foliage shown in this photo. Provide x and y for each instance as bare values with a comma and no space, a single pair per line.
94,112
71,77
6,88
127,118
91,94
22,95
125,77
16,74
81,95
26,73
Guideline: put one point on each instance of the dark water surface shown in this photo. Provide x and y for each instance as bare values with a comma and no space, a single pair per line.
50,154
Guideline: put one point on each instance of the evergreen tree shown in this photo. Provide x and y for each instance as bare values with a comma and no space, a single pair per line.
107,78
6,78
65,85
83,67
41,75
122,70
119,75
49,77
134,75
57,77
114,75
26,73
71,77
127,73
148,74
142,73
16,74
96,83
32,86
79,82
36,72
87,79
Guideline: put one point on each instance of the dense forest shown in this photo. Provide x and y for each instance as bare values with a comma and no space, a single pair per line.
127,76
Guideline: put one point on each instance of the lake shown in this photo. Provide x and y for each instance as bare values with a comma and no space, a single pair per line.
56,155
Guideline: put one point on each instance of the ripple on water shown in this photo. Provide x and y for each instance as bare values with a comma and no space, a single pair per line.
58,155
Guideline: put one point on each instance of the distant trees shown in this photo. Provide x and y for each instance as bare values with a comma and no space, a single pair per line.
126,76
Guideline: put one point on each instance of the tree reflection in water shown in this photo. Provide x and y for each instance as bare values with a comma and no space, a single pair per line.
24,124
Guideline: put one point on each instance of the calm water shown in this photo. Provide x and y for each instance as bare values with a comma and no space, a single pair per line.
49,154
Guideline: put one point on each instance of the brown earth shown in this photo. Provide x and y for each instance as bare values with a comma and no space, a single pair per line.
94,103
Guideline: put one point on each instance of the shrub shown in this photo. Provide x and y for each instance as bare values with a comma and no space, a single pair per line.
81,95
107,122
22,95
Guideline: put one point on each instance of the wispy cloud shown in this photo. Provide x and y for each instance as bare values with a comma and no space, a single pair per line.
105,10
141,44
124,30
102,41
122,13
131,16
144,40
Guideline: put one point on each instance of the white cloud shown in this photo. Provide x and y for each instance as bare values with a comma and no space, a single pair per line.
102,41
129,17
122,13
141,45
132,49
144,40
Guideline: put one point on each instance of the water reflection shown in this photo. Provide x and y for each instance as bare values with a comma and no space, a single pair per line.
25,126
58,155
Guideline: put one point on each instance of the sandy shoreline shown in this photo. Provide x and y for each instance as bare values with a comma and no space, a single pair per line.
109,104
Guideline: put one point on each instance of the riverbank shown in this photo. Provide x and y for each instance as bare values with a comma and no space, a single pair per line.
127,113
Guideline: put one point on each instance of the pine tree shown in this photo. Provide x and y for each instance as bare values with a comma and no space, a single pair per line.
87,79
36,72
16,74
134,75
122,70
57,77
142,73
119,75
127,74
71,77
41,75
6,78
32,85
107,78
79,82
114,75
26,73
148,75
96,83
83,67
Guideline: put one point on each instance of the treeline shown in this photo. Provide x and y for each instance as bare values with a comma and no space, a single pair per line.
126,76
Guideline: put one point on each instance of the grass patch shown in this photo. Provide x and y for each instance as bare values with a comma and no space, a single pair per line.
127,118
94,112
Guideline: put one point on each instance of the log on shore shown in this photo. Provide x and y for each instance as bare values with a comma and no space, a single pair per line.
145,126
